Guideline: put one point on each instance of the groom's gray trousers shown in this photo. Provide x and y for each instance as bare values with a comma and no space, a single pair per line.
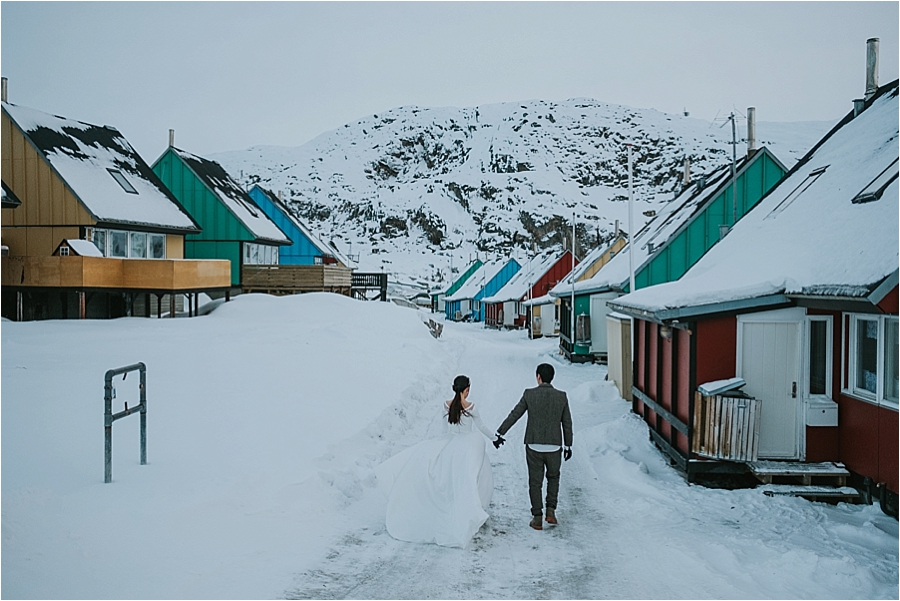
537,462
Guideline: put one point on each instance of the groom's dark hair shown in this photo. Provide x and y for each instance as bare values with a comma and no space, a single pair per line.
545,371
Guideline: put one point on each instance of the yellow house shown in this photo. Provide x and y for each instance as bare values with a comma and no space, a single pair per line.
76,181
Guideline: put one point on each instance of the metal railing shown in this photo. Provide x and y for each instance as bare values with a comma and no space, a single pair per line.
109,417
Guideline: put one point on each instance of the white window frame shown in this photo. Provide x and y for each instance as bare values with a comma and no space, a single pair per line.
92,232
829,356
849,346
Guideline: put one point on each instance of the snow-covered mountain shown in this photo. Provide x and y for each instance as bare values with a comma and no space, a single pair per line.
418,192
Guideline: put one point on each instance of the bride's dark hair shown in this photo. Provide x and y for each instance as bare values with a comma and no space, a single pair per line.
460,383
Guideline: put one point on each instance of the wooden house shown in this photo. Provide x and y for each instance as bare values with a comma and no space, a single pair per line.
506,308
86,184
233,226
800,301
681,232
465,304
307,247
438,297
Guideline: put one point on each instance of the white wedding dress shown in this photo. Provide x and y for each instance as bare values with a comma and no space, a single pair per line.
438,490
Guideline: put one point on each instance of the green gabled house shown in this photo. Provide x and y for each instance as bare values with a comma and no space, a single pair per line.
233,226
666,247
437,298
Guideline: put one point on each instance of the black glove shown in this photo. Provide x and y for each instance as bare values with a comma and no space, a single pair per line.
567,454
500,440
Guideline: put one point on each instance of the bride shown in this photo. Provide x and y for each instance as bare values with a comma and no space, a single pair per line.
438,490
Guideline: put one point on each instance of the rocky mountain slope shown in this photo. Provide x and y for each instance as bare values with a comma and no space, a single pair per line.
419,192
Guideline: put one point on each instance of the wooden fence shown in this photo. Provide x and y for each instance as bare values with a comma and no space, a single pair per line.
726,427
290,279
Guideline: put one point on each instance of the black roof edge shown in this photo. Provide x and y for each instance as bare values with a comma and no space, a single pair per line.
691,313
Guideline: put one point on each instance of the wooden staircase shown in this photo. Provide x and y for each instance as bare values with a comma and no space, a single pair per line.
812,481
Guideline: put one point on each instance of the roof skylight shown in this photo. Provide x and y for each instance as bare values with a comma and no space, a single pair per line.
877,186
122,180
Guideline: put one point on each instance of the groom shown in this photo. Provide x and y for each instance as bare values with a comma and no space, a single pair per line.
549,426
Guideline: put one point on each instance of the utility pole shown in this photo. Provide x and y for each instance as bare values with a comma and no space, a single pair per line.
572,331
630,223
733,162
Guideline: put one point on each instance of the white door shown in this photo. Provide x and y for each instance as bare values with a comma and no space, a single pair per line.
769,361
599,311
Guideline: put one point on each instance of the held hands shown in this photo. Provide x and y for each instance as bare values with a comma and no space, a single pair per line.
567,454
500,440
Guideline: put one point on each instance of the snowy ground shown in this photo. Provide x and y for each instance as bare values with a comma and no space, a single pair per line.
265,420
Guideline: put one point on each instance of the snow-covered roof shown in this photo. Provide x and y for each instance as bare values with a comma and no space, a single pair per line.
111,180
828,229
518,285
233,197
541,300
324,247
83,248
565,285
478,280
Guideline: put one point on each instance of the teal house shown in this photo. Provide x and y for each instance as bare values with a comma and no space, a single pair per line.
307,248
438,298
665,248
233,226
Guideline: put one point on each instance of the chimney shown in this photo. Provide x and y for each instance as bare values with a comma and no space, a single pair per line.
858,105
3,81
279,196
687,171
171,138
617,228
871,67
751,130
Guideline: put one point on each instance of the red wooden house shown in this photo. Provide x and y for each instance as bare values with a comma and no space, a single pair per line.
800,300
505,308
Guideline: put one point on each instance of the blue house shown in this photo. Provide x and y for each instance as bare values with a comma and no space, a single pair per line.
465,304
308,248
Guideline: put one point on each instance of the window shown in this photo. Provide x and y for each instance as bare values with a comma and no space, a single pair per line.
63,251
98,237
873,359
875,189
818,357
120,178
157,249
800,189
890,361
118,244
138,249
583,329
260,254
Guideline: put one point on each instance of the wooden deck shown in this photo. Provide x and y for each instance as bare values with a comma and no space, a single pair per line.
291,279
169,275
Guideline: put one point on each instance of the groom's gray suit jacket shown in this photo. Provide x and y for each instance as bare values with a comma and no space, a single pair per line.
549,419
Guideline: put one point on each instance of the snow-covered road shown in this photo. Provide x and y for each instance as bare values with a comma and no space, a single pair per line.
265,422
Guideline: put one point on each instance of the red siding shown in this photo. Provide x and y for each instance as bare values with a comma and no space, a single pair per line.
556,273
887,455
859,436
652,335
683,345
716,349
889,304
822,444
665,391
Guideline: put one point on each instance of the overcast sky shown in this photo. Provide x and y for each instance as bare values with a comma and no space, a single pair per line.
230,75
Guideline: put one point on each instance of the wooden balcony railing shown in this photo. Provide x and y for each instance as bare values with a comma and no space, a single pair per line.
290,279
169,275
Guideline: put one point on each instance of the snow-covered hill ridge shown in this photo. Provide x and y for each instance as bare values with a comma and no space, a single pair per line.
417,190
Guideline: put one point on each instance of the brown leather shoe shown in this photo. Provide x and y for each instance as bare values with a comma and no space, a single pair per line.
537,522
551,516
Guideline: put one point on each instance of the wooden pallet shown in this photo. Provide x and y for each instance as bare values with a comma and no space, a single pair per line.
786,472
813,493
